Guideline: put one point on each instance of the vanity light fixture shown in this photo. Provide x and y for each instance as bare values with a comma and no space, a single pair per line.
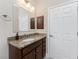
32,9
28,5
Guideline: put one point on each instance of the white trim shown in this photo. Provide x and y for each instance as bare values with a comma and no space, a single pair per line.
62,4
78,29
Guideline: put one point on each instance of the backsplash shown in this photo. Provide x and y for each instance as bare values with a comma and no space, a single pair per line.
24,36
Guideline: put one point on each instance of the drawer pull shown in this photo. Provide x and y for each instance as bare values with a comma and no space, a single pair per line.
37,51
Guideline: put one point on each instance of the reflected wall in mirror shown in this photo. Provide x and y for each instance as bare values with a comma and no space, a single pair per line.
21,19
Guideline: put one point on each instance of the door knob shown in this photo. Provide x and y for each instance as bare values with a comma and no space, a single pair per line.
50,35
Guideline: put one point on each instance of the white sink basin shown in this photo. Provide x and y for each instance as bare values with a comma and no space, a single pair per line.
22,42
27,40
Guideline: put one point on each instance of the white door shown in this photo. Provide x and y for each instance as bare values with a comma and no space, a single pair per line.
63,32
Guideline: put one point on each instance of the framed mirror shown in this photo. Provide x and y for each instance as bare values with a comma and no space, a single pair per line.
20,19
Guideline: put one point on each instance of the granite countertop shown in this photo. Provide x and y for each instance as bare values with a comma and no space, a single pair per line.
21,43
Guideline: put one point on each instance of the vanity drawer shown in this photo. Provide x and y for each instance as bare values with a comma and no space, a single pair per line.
27,49
38,43
44,40
30,55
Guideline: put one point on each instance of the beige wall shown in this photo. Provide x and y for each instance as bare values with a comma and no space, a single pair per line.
41,10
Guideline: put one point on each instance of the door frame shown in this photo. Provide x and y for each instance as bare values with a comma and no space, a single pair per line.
52,7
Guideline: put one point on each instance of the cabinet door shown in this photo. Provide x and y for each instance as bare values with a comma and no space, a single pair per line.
40,22
32,23
39,52
44,47
30,55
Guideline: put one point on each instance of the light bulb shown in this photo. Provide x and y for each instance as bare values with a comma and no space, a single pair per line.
28,5
32,9
22,1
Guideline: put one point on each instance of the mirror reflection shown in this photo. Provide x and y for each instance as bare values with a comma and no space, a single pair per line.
23,20
22,11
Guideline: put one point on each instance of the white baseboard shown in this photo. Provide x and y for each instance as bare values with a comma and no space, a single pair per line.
48,56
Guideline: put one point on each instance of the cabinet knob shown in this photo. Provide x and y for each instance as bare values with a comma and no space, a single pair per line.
37,51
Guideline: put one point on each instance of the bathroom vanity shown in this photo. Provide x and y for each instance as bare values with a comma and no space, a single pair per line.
31,47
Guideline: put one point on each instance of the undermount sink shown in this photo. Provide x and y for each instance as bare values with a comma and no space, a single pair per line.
27,40
24,41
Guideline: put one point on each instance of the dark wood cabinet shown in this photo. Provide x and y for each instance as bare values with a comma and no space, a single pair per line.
39,52
32,23
40,22
36,50
14,53
30,55
44,47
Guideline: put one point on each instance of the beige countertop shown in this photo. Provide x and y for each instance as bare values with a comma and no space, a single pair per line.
21,43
